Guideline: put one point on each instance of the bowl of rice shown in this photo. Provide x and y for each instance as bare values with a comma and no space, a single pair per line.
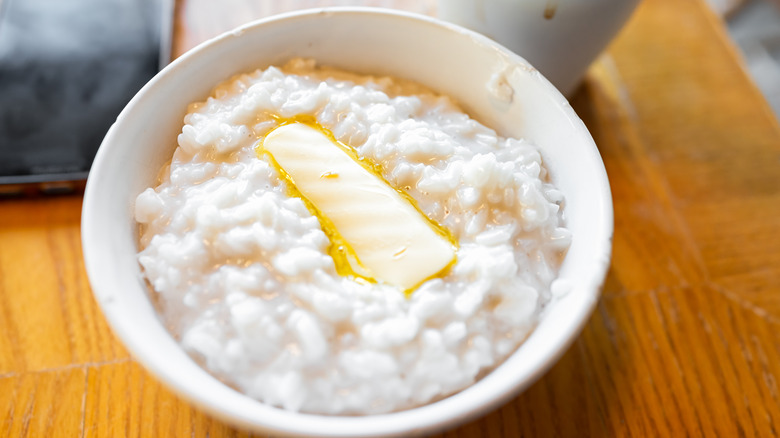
347,222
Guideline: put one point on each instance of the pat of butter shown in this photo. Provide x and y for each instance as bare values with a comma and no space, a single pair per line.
391,239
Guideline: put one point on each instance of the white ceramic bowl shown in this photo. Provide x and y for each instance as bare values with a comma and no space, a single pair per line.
444,57
561,38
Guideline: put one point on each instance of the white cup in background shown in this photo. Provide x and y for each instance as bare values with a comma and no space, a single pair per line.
559,37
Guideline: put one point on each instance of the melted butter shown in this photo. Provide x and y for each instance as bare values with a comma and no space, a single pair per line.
344,257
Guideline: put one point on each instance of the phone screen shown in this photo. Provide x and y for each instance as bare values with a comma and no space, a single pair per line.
67,68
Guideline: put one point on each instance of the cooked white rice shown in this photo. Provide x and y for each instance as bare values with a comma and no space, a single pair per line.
242,273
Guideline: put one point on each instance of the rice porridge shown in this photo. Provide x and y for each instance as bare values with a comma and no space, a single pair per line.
244,270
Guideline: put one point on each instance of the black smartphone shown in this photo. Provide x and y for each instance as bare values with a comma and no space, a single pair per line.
67,68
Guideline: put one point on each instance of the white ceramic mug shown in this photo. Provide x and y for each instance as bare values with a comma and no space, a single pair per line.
559,37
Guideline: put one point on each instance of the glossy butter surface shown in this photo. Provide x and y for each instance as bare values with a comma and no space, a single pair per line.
388,239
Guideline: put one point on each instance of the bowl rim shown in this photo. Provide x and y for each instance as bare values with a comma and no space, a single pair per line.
447,412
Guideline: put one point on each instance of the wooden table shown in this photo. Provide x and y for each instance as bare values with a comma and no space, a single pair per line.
685,340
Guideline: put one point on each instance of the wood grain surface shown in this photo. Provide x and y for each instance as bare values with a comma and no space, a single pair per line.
685,340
